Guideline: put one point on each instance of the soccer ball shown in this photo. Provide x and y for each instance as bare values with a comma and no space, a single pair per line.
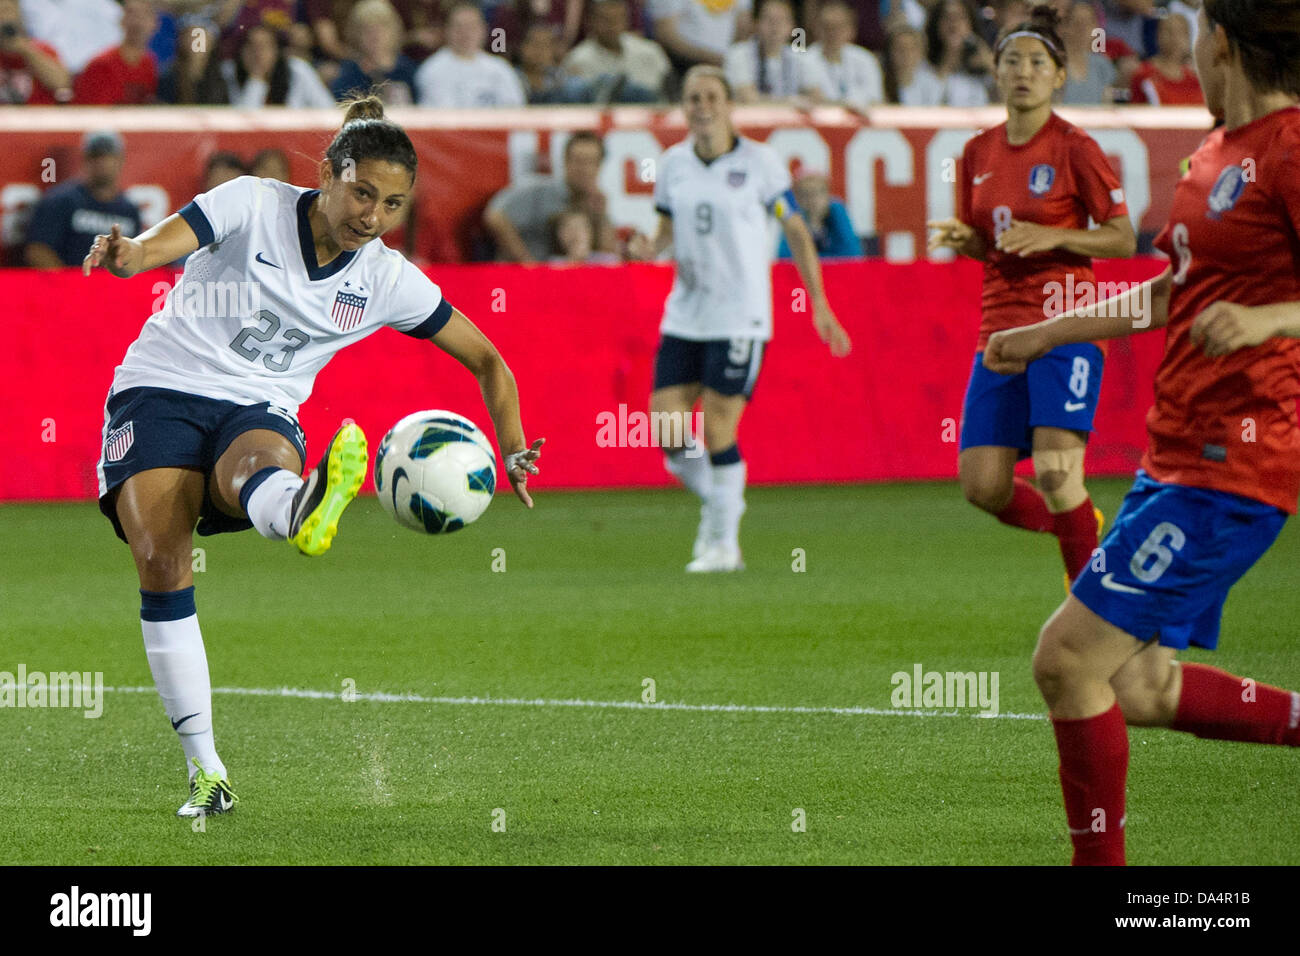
435,472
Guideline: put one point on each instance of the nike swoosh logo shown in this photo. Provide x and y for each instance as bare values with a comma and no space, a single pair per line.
265,262
176,724
980,178
1110,584
1075,406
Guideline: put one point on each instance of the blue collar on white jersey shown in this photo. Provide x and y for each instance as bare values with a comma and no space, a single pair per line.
308,245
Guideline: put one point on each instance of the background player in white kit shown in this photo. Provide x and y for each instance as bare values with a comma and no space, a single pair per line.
200,421
714,192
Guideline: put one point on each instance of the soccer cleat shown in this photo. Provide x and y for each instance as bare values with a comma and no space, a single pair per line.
209,794
330,486
717,558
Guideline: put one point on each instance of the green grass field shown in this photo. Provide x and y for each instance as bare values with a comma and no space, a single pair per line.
592,602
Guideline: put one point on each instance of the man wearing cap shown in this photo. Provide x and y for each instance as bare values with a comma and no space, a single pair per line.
68,217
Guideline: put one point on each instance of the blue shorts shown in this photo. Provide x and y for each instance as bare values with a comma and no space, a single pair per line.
1059,390
728,366
159,428
1169,561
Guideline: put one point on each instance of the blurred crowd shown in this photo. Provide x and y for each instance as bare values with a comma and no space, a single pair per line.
460,53
313,53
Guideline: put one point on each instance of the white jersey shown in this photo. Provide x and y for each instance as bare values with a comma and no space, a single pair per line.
856,79
445,79
254,318
723,287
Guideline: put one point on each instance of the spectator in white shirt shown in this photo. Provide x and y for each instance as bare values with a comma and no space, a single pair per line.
852,73
768,67
79,30
695,31
621,66
462,74
262,74
908,78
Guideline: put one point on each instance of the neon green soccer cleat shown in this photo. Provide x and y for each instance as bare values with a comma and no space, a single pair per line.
330,486
209,794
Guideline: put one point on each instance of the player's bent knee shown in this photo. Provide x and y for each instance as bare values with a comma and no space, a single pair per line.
162,566
1049,481
1060,478
990,496
1055,662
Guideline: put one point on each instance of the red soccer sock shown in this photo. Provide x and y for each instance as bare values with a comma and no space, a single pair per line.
1094,769
1026,509
1077,532
1216,705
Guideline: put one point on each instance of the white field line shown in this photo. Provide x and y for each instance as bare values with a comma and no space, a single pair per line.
384,698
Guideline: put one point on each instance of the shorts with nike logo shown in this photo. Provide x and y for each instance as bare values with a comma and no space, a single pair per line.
1059,390
1166,566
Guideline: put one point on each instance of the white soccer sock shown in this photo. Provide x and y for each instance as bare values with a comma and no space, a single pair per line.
693,470
727,496
179,665
269,504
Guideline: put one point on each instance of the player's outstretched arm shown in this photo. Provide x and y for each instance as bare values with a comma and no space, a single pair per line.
804,251
166,242
1144,307
1225,327
1113,239
462,340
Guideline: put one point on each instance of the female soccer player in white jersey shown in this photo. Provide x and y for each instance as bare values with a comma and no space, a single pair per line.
200,420
714,192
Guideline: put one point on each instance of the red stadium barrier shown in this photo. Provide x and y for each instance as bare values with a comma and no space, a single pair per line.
894,170
581,343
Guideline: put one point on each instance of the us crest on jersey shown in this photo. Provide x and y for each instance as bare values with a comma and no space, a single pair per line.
119,441
736,178
348,309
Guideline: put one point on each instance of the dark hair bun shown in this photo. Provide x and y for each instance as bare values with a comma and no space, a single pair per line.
363,108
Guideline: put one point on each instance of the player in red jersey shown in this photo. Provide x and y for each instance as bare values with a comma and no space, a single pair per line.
1028,188
1222,468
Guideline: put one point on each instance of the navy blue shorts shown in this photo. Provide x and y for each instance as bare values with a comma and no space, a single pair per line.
160,428
728,366
1059,390
1168,562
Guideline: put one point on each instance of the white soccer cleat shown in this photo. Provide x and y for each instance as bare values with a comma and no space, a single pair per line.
717,558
